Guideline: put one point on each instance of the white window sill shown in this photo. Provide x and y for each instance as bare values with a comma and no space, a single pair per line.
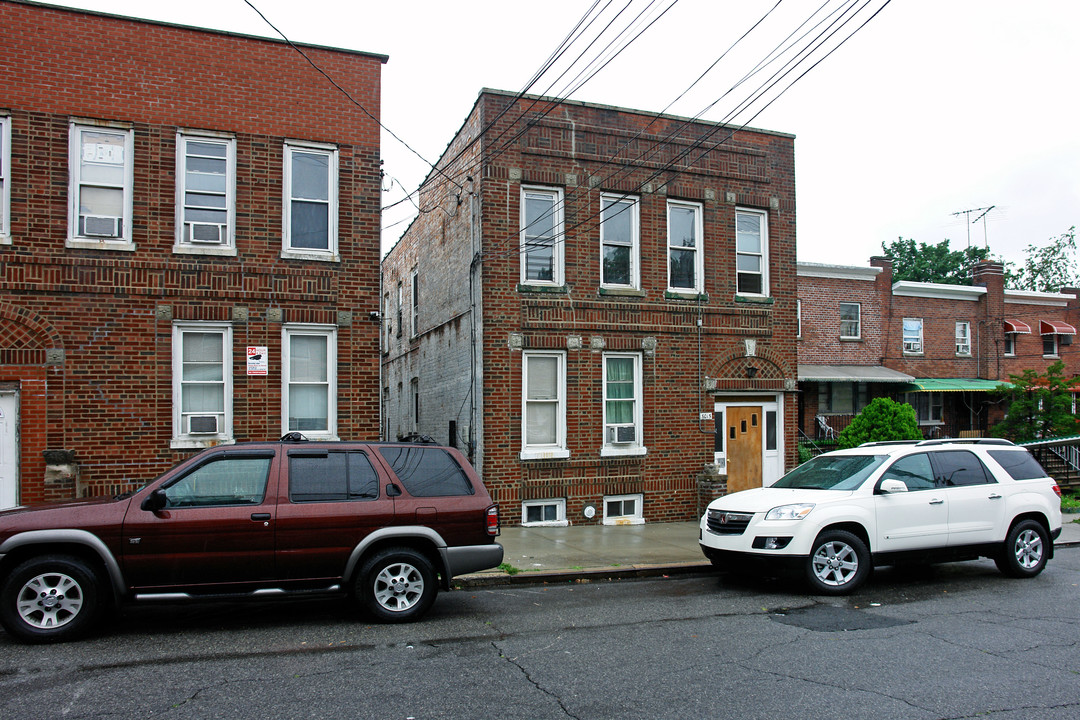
86,244
624,521
204,250
320,256
545,454
190,443
547,523
616,451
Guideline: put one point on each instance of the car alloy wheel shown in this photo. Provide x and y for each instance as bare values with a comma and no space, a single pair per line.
397,585
50,598
839,562
1026,550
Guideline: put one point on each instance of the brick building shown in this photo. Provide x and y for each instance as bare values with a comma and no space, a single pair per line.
598,304
189,246
941,348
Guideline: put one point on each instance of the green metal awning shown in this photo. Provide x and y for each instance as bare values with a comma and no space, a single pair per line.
953,385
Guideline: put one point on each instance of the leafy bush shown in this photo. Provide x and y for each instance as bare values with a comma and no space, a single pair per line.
883,419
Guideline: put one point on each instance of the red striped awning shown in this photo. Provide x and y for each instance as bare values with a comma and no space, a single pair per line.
1017,326
1055,327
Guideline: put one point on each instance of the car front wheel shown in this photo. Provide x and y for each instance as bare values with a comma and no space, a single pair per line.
50,599
1027,547
838,563
397,585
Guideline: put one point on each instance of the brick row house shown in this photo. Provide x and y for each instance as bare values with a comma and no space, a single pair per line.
598,304
941,348
189,246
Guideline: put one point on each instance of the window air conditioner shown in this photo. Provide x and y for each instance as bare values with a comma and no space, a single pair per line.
206,233
621,435
202,425
1065,340
912,347
101,225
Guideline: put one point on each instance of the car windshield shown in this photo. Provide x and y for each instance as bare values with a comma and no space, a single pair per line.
832,472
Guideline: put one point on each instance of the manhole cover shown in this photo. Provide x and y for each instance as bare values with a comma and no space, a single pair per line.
828,618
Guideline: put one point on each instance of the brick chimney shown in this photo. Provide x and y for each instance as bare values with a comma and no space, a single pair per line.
991,321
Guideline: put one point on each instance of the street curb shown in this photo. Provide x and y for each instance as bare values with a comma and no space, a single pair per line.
528,577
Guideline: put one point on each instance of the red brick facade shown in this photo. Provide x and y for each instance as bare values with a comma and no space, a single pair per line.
86,334
693,351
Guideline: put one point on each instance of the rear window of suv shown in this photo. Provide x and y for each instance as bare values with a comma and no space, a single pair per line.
1019,464
427,471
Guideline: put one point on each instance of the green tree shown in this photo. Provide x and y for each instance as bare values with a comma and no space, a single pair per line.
1047,268
932,263
1040,405
883,419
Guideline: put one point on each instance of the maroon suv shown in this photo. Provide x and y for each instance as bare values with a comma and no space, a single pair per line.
387,523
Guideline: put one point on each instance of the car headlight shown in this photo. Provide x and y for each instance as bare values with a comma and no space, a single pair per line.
790,512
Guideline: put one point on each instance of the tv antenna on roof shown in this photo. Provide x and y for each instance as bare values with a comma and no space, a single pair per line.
967,214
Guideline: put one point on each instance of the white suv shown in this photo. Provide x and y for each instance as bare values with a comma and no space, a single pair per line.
841,513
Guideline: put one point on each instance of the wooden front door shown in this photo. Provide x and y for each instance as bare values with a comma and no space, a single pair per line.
744,448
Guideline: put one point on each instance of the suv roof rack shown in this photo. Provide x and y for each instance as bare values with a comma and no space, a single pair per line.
419,438
967,441
879,443
294,437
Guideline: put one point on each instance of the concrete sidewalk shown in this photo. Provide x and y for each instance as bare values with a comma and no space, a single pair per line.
551,554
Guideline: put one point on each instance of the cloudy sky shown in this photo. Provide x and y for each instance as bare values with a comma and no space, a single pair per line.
934,107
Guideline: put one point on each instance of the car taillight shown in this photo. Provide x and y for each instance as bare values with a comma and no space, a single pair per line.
493,520
1057,489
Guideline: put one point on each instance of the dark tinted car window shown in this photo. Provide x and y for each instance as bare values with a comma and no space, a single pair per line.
914,471
1019,464
426,471
224,481
334,476
961,467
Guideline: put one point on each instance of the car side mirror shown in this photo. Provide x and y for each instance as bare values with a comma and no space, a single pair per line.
891,486
155,501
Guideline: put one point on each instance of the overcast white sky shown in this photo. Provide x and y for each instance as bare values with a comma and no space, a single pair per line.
935,107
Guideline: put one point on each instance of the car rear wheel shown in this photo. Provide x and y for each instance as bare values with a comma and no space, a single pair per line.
49,599
838,563
397,585
1027,547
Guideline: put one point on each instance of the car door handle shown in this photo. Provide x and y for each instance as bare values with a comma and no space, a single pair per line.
936,501
995,496
259,517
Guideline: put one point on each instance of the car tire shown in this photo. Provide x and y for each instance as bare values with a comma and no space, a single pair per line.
51,598
397,585
838,563
1026,549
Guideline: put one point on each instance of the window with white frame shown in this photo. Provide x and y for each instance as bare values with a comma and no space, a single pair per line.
541,236
685,251
913,336
5,180
202,382
415,302
619,242
1009,348
205,193
623,509
311,197
963,338
544,513
622,404
1050,345
751,252
850,321
309,380
798,319
928,406
400,308
544,405
101,169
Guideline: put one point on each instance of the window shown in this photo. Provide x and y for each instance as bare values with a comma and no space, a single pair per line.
400,308
101,169
309,382
798,319
310,215
427,471
928,406
544,411
541,236
414,391
963,338
619,242
1050,345
331,477
1010,344
223,481
685,263
205,194
415,303
623,510
544,513
751,257
914,471
622,404
5,180
1019,463
839,398
850,321
387,325
913,336
961,467
202,383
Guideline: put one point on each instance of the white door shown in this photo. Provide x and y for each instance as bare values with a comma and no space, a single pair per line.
9,449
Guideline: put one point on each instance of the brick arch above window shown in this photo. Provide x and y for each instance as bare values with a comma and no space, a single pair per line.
21,329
